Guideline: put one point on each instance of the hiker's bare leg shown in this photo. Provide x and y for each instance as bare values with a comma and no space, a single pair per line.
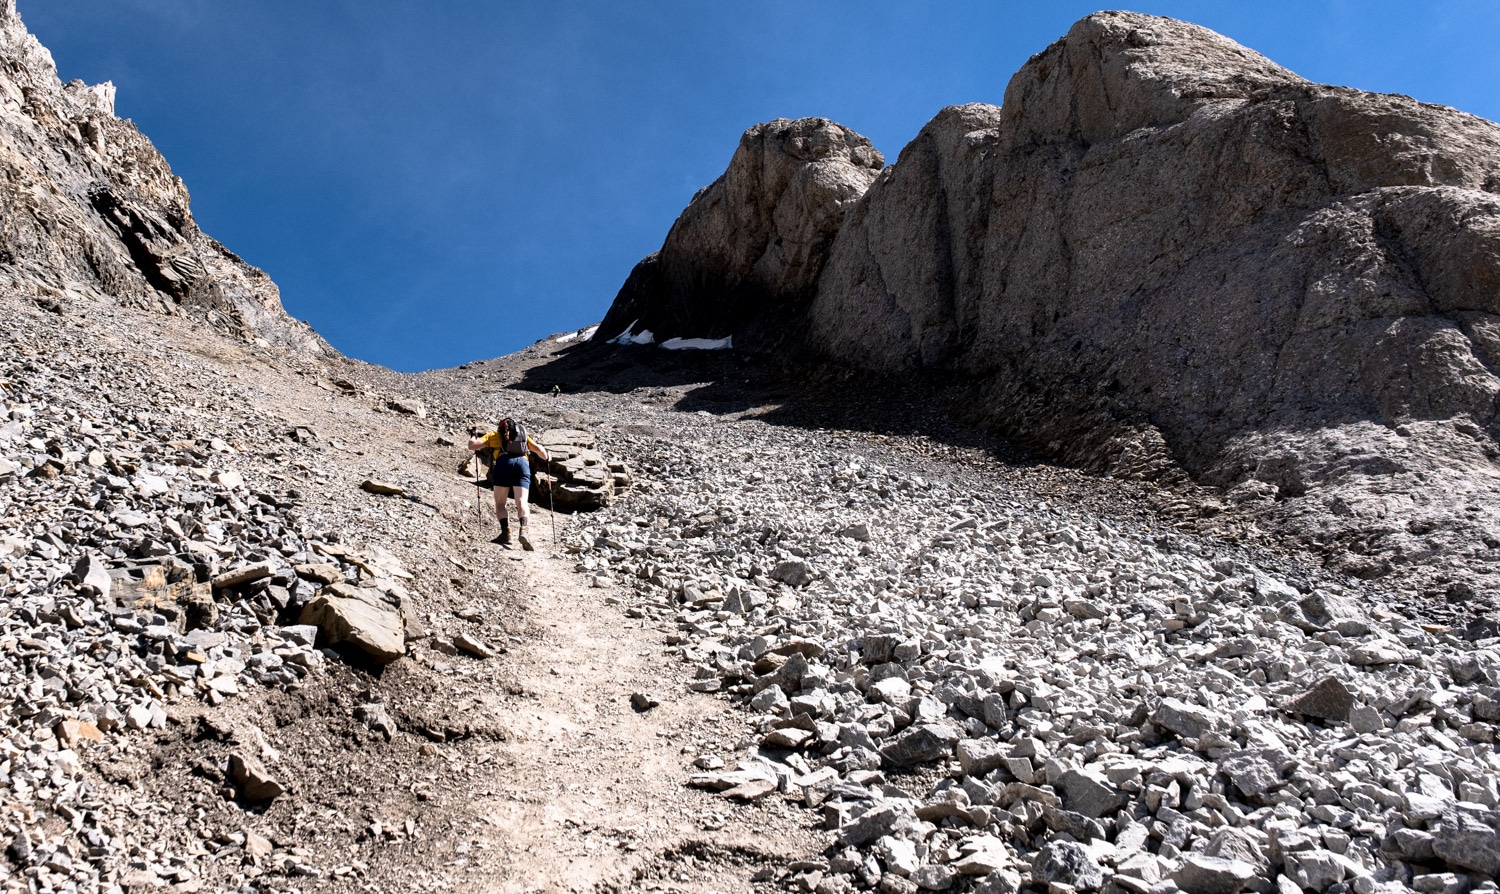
500,504
522,514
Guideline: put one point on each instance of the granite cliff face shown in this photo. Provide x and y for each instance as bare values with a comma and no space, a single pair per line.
1165,253
89,209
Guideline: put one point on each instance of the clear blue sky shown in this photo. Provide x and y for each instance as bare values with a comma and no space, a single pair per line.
437,181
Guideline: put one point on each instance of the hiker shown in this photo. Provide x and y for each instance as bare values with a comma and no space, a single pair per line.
510,475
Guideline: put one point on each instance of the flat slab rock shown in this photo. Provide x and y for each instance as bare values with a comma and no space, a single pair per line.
359,616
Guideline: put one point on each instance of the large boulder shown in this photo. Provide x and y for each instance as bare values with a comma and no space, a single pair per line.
751,244
89,210
1164,254
361,616
1166,225
577,475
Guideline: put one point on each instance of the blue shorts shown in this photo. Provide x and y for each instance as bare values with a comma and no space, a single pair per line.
511,471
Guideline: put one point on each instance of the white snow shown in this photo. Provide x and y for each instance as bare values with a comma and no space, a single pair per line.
698,344
580,335
644,337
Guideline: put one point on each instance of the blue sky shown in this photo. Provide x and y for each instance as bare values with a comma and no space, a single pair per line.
436,181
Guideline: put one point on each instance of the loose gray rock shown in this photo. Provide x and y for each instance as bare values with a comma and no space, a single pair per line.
1328,699
1200,874
1066,863
254,781
360,616
1089,794
922,744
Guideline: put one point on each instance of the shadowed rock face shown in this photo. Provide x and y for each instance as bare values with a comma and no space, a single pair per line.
89,208
750,246
1165,252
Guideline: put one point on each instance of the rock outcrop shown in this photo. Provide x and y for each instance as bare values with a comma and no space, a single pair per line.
1164,253
577,475
750,246
90,210
1162,222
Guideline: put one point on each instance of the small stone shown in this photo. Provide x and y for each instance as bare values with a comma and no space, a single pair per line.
790,737
243,575
1086,793
771,700
1201,874
792,573
360,616
977,757
304,635
255,783
1328,699
1067,863
473,645
983,855
73,733
750,790
883,819
320,573
382,488
1254,772
138,717
257,845
643,701
858,531
1188,721
923,743
1365,719
92,573
408,406
933,877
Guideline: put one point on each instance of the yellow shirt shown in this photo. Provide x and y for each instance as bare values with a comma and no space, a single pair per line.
492,441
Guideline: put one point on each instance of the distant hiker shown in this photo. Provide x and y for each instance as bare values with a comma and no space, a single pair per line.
510,475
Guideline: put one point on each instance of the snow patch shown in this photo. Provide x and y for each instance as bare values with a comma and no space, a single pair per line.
644,337
698,344
580,335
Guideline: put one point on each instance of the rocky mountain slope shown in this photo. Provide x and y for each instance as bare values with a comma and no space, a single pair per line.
254,636
1164,254
90,211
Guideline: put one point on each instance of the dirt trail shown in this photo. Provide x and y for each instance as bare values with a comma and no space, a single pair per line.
587,793
525,772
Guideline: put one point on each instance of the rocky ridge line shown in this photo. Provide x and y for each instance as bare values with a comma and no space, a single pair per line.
92,212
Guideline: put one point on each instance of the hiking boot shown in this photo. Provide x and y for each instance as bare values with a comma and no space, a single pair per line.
503,539
525,541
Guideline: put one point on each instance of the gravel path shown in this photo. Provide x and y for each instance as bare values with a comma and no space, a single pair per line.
792,656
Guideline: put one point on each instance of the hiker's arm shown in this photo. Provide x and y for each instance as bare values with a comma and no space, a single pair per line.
539,450
476,443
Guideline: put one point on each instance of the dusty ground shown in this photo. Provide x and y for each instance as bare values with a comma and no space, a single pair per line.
529,771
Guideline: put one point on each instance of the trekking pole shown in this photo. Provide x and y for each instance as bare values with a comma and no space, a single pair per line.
478,497
551,511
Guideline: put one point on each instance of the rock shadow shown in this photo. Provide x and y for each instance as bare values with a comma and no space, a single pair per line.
787,391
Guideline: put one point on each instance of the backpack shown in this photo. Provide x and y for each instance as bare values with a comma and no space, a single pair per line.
512,437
